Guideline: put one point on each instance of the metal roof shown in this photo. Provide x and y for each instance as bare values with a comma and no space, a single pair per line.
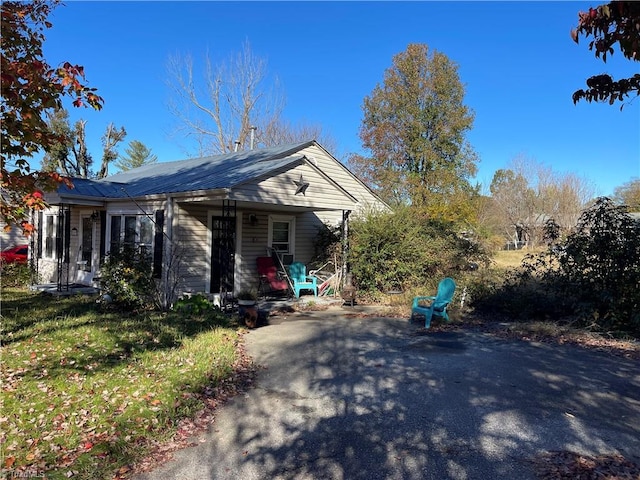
206,173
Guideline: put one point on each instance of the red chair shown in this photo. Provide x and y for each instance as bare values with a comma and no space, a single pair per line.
269,276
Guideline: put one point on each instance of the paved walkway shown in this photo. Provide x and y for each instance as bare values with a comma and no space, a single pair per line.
361,398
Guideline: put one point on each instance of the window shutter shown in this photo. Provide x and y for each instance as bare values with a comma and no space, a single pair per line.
103,233
158,243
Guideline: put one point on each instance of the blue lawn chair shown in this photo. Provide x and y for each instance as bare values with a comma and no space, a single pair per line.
302,281
436,305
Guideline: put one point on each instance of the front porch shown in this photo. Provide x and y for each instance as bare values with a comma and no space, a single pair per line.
65,290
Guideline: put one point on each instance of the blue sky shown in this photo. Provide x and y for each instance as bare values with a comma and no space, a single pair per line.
517,60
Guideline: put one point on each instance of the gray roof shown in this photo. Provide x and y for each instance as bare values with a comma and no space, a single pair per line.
206,173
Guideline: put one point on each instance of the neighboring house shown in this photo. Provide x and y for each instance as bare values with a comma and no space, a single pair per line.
11,237
216,214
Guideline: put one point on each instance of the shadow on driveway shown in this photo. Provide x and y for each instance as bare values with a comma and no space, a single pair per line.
368,399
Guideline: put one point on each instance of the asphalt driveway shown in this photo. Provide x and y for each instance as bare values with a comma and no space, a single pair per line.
363,398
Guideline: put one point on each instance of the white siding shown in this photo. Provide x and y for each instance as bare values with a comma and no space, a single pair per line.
191,241
280,189
342,176
192,234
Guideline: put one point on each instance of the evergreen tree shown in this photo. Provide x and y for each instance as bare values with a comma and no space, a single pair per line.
136,155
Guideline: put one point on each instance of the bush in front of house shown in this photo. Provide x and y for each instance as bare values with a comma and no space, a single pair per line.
126,277
195,304
591,277
405,249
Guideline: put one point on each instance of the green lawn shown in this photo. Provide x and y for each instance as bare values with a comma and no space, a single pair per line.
84,392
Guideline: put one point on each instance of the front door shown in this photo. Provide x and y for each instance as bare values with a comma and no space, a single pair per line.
86,263
223,250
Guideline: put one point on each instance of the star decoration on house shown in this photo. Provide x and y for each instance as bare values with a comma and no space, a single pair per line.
301,186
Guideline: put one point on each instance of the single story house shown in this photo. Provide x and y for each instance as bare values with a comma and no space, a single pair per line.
215,215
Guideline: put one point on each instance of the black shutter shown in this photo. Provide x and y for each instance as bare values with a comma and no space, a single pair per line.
157,244
103,234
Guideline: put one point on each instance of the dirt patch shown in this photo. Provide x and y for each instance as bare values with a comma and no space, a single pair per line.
547,332
565,465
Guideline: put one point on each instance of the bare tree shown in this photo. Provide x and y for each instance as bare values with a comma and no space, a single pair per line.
513,200
527,194
283,132
219,109
112,136
79,149
67,154
562,197
628,194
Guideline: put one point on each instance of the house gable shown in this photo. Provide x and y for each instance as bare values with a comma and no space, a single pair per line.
341,175
301,185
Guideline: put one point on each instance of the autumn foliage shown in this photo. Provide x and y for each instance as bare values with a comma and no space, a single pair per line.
30,89
610,24
414,126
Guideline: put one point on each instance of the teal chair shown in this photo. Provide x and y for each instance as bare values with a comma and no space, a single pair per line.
300,279
430,306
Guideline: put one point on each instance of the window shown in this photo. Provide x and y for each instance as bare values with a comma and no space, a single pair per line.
49,236
131,231
280,240
282,235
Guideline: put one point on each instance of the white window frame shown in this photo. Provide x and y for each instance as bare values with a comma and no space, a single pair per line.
137,243
291,220
54,237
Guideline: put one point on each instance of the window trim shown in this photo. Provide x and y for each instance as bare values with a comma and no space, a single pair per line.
54,236
291,220
121,237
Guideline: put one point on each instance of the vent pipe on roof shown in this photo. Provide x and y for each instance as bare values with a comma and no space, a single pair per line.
237,144
253,129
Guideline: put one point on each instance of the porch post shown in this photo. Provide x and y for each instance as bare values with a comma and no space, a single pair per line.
170,250
345,243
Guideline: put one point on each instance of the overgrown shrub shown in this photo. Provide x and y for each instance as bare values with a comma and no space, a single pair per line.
404,250
592,276
327,245
126,276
